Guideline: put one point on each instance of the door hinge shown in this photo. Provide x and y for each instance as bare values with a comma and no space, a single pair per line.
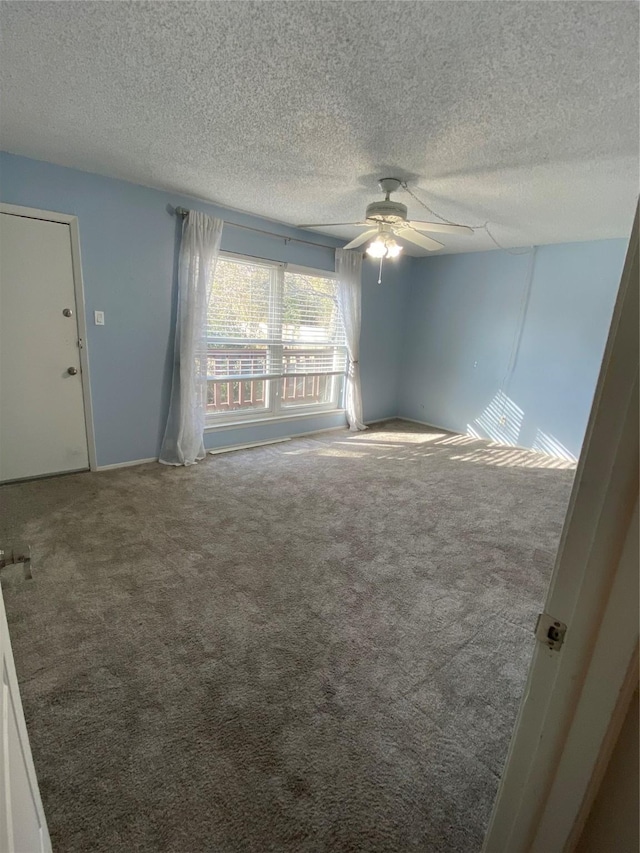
550,631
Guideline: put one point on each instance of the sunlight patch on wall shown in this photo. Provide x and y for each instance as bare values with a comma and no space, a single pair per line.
545,443
500,421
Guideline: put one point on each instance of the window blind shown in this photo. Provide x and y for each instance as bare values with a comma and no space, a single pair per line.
268,322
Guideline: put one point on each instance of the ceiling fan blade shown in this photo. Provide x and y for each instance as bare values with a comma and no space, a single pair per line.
441,227
362,238
419,239
331,224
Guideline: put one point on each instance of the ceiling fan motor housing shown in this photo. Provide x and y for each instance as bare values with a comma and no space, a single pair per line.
387,211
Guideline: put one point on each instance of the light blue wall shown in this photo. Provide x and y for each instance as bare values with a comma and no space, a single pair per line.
381,340
436,335
129,241
463,324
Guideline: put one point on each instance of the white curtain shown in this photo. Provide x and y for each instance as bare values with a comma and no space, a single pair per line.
199,249
349,268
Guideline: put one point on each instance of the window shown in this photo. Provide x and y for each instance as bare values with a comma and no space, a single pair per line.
275,341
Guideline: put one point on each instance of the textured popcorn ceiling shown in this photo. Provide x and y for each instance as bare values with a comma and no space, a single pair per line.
521,113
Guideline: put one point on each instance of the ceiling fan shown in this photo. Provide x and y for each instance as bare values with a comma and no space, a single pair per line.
387,219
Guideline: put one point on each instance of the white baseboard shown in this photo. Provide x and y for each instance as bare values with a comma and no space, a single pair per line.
228,448
324,429
383,420
126,464
426,423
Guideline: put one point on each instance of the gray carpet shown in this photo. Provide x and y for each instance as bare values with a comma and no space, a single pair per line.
318,645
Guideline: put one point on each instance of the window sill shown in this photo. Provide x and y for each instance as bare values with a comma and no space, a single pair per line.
264,421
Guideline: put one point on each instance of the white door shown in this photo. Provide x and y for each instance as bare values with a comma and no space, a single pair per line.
42,419
23,827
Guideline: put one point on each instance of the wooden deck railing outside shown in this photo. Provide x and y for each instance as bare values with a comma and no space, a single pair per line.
233,394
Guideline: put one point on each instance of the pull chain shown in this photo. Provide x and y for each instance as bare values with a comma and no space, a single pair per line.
426,206
481,227
380,271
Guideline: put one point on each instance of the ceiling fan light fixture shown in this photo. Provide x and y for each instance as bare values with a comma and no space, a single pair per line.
377,248
383,247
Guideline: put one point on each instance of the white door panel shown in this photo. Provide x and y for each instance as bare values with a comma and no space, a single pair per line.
42,421
23,826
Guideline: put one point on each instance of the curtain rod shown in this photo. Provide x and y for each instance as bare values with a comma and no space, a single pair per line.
182,211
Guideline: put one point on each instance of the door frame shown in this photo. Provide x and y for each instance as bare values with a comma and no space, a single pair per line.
576,697
12,698
78,287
